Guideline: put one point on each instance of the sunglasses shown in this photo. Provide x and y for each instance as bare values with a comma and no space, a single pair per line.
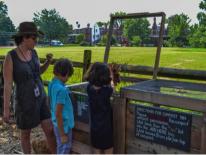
34,38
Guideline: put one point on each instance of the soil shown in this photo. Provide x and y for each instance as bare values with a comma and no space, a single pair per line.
10,138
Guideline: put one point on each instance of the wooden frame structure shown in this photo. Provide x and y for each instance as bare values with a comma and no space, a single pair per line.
138,15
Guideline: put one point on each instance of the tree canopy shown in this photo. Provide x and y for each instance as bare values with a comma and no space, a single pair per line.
52,24
178,29
198,32
137,27
201,16
6,25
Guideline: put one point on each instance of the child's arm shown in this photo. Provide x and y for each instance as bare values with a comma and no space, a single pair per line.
59,109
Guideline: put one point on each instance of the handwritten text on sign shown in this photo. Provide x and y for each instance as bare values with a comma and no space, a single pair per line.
163,126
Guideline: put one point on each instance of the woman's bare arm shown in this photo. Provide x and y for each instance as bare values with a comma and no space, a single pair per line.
8,81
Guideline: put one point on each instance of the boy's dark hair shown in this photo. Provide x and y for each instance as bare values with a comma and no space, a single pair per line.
63,67
98,74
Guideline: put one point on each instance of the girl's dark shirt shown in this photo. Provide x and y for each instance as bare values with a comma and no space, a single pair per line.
100,108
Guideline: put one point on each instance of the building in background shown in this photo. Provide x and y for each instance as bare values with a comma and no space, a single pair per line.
155,33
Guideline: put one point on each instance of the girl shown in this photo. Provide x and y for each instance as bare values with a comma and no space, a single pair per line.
100,89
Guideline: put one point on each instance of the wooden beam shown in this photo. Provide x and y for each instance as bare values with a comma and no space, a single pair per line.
165,72
138,15
160,42
106,54
203,136
165,99
132,79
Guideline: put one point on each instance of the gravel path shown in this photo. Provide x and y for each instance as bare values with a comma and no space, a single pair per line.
9,138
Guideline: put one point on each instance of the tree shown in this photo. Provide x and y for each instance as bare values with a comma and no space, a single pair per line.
201,16
178,30
136,40
137,27
3,9
6,25
79,38
119,23
52,24
198,35
100,24
103,40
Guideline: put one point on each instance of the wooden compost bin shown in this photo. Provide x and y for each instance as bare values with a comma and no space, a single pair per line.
162,127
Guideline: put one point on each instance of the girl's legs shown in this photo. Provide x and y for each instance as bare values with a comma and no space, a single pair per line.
108,151
49,132
25,141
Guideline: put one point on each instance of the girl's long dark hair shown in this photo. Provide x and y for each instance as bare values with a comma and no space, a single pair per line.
98,74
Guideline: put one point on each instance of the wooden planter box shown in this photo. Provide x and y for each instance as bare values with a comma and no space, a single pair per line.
158,128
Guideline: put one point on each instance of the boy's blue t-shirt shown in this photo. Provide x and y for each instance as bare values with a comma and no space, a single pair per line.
59,94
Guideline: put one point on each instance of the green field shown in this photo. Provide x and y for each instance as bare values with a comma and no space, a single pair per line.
182,58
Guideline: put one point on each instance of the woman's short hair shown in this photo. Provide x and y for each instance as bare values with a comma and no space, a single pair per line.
63,67
98,74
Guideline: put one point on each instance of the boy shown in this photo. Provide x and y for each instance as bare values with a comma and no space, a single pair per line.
61,106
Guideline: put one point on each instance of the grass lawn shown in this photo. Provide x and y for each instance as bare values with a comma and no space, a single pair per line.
182,58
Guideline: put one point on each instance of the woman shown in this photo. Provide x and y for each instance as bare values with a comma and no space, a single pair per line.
22,67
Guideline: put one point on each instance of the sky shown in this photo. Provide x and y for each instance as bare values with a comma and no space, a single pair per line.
91,11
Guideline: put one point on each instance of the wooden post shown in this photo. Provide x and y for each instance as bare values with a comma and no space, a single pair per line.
106,54
1,87
1,73
86,61
203,136
160,41
119,125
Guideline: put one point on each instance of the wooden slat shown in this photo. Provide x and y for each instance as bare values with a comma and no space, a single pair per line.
81,136
165,72
82,126
119,123
167,100
203,136
81,148
132,79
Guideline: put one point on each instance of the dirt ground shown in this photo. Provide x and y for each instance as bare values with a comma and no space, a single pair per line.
10,138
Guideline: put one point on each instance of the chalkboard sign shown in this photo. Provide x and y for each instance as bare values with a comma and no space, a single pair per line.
81,107
163,126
